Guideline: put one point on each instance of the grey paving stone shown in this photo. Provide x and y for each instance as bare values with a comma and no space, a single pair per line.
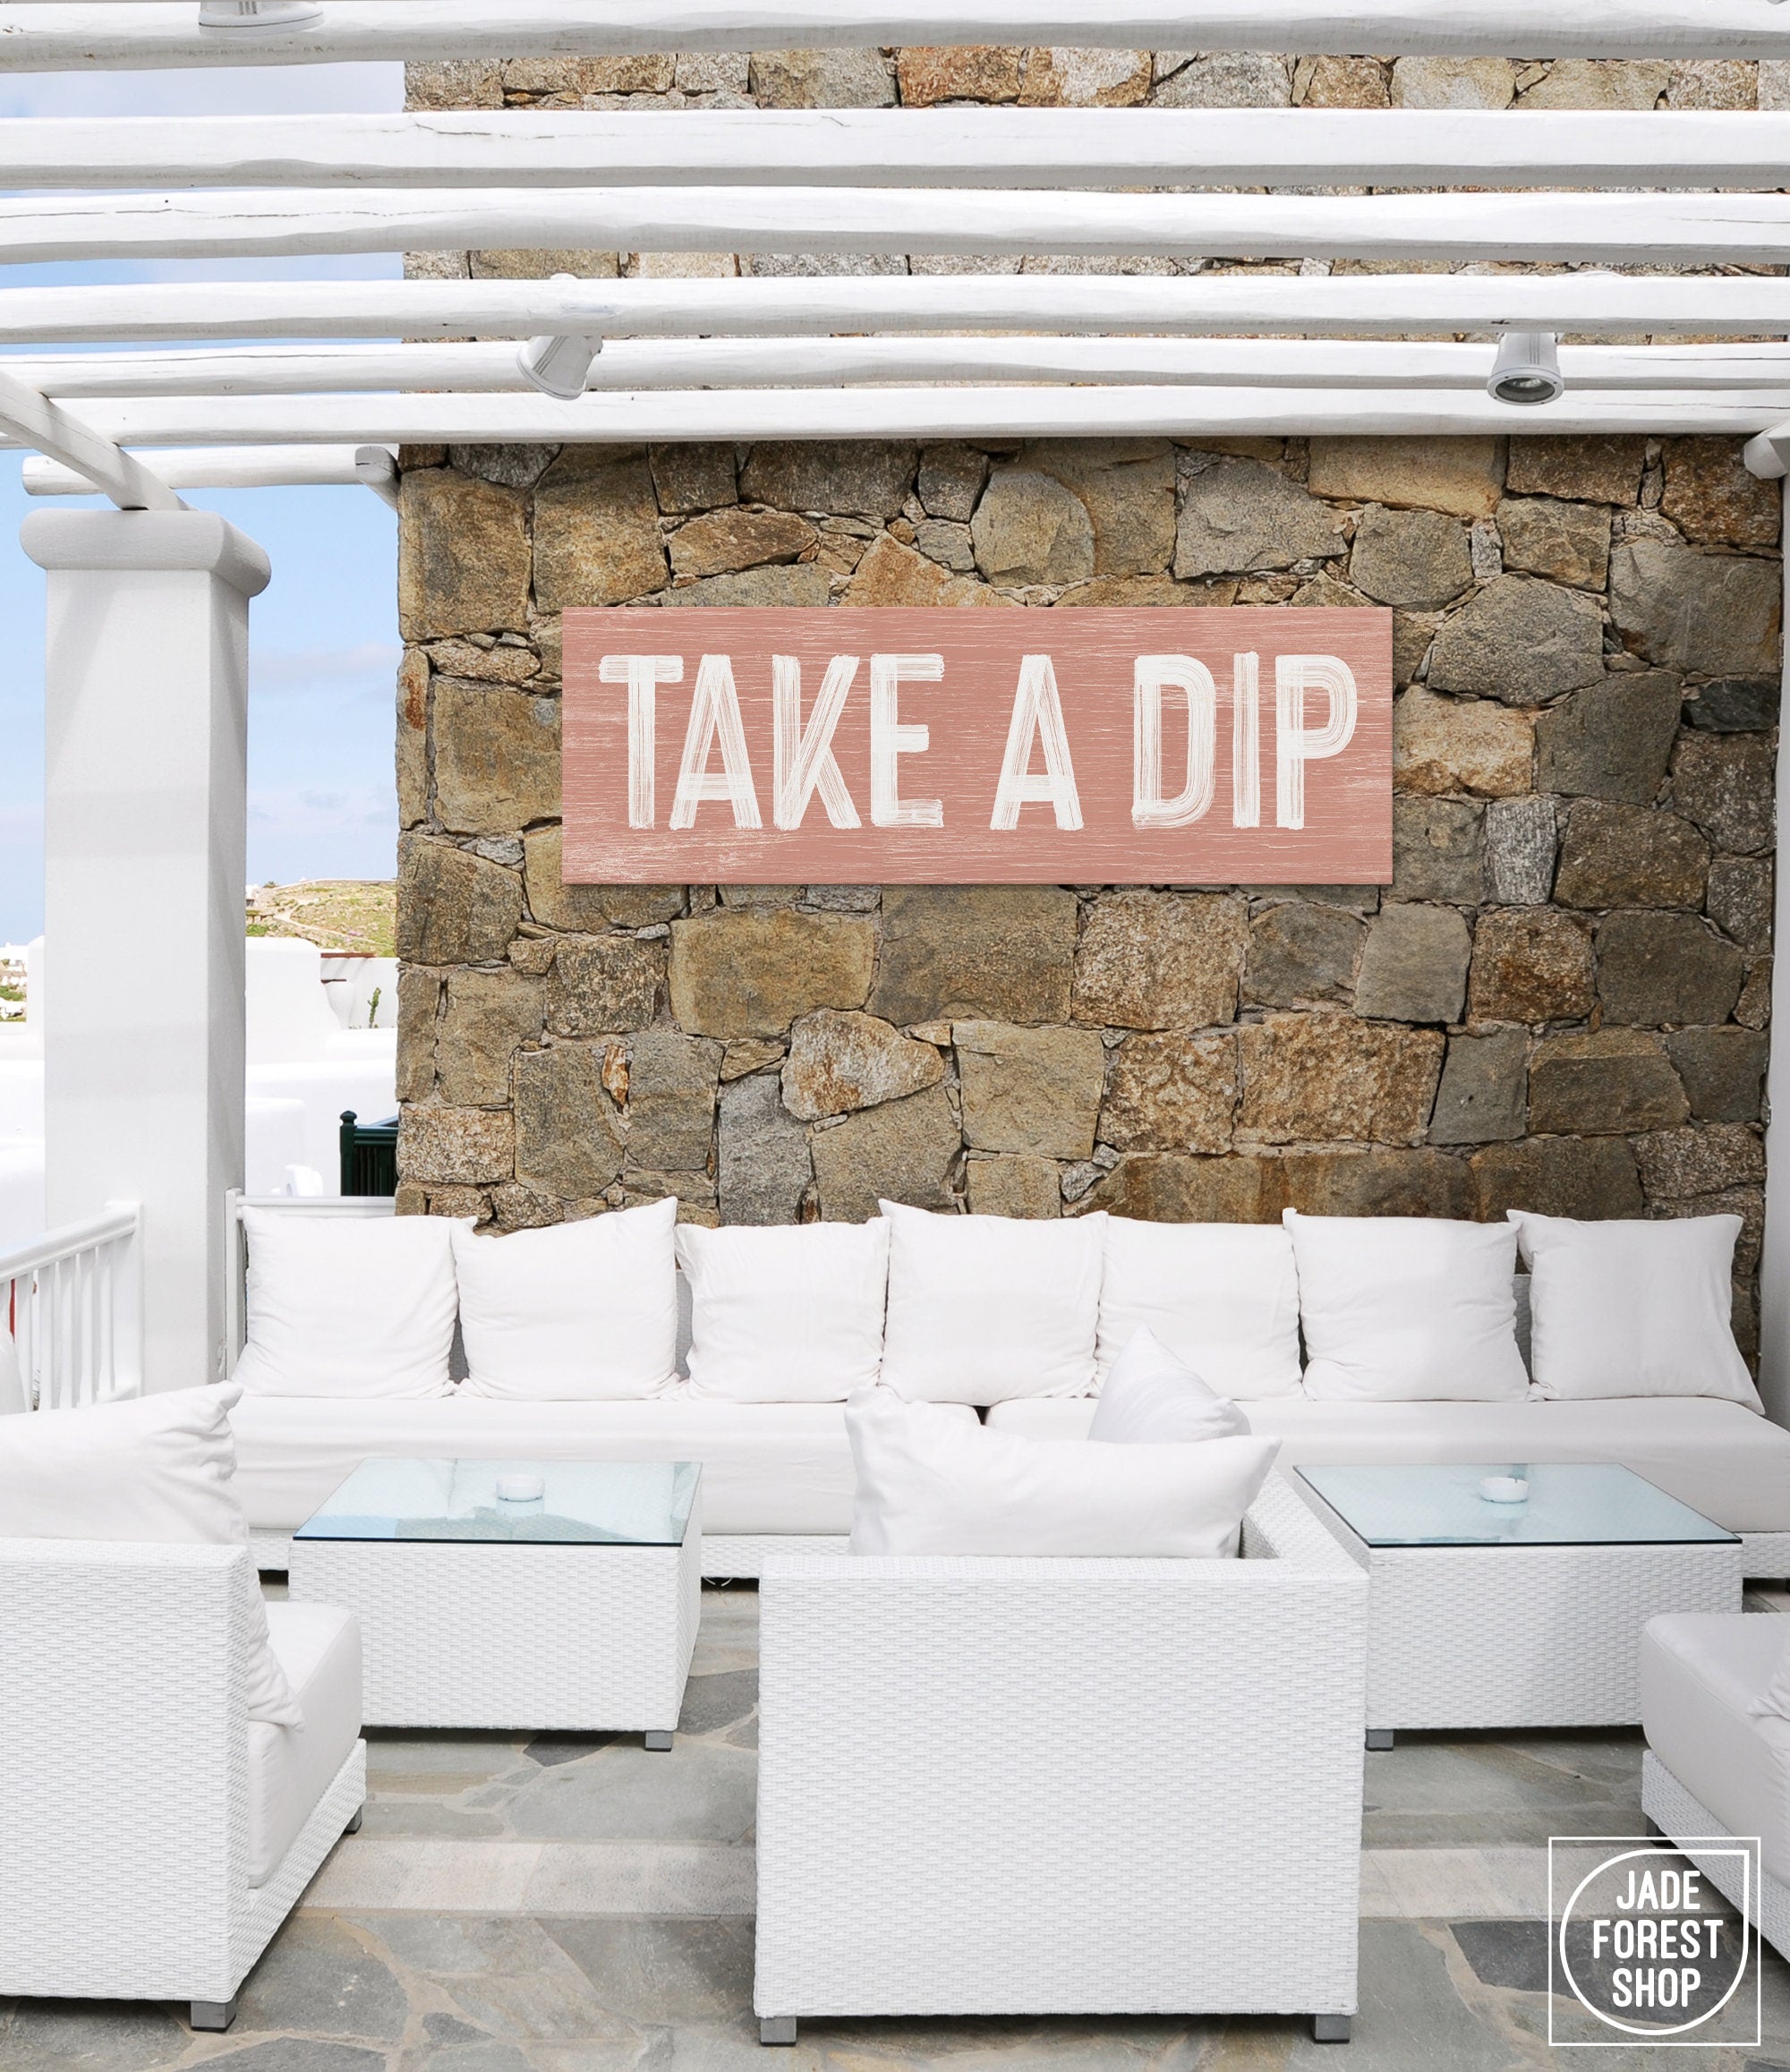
318,1976
1511,1954
88,2036
702,1791
550,1750
455,1753
1118,2043
1411,2018
659,1972
509,1977
423,1817
712,1701
299,2054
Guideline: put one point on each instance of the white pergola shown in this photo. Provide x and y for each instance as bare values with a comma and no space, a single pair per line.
1671,228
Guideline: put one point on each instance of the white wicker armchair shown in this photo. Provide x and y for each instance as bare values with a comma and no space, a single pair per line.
125,1793
1033,1788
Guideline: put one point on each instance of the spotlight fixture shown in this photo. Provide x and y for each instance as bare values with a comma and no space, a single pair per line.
1527,368
259,17
560,363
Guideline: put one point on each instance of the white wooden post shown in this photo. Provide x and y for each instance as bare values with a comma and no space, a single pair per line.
145,838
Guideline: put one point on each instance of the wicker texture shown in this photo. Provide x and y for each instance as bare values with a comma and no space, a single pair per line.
1678,1816
483,1634
1054,1787
123,1838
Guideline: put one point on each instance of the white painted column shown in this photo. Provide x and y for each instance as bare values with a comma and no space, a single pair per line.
146,701
1774,1264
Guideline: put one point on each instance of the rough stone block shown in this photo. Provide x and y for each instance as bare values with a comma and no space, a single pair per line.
1587,467
1711,496
588,909
762,1155
947,542
1428,1183
802,587
596,530
1712,615
1530,964
951,480
1734,705
1701,1159
841,1061
1631,856
1410,557
453,907
516,466
1314,1079
822,79
1726,783
1300,952
456,1146
1580,82
858,478
1520,640
1442,745
903,1151
1588,1178
1238,515
604,987
1028,1188
889,574
1345,82
1740,899
1160,959
1565,542
490,1015
1170,1093
568,1139
977,72
721,541
1086,78
1605,1083
419,1002
671,1101
1461,476
516,1207
1414,966
1029,528
1227,79
993,952
1481,1099
412,757
1166,1187
1611,740
496,757
752,971
1438,850
1753,1010
1029,1089
1454,82
1722,1071
1519,843
693,478
1127,487
503,662
462,556
1655,969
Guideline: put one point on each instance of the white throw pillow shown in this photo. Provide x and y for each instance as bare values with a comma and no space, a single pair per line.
12,1382
789,1314
155,1468
1223,1296
353,1306
984,1307
1633,1309
1407,1309
930,1483
580,1312
1151,1398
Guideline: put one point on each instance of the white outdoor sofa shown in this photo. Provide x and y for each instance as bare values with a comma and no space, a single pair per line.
1056,1786
152,1836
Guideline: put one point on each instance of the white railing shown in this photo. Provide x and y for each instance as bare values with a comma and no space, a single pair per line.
236,1245
72,1301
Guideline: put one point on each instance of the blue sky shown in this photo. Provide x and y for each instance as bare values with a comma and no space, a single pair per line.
324,634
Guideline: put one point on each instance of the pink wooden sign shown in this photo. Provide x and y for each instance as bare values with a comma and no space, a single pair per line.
1201,746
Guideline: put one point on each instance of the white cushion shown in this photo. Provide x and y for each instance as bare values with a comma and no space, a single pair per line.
583,1311
982,1308
1701,1674
788,1314
348,1306
1407,1309
1223,1296
1152,1398
155,1468
318,1648
927,1483
12,1382
1633,1309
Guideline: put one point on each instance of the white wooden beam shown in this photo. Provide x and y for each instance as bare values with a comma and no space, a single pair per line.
905,147
31,419
491,368
909,412
228,467
1210,303
1605,229
56,38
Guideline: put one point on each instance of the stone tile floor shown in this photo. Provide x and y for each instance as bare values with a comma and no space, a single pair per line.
554,1903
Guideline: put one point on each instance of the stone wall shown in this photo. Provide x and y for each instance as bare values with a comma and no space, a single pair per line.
1559,1003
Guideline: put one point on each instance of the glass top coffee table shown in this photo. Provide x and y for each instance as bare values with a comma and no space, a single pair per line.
1484,1613
548,1594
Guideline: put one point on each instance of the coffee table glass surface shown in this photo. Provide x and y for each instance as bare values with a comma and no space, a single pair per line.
1569,1503
583,1503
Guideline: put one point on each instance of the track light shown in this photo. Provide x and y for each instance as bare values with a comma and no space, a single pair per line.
259,17
1527,368
560,363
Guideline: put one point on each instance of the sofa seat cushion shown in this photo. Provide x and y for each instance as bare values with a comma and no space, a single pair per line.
1699,1674
290,1768
1720,1458
767,1467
